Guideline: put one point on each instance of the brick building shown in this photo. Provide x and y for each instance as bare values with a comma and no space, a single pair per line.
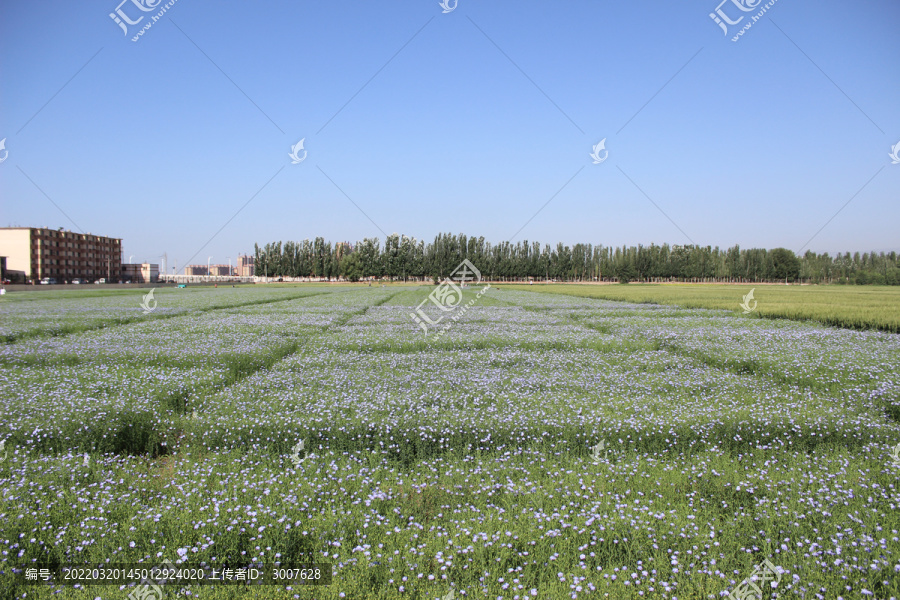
64,255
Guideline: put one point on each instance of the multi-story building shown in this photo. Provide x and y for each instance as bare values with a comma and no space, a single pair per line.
195,270
64,255
140,272
211,270
4,272
220,270
245,266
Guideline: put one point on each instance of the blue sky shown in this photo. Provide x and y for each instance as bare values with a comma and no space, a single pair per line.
468,121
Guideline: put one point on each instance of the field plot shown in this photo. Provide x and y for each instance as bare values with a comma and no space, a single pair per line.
34,314
853,306
468,464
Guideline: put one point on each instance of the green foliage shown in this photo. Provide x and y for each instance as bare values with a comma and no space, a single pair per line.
626,273
406,258
785,265
350,267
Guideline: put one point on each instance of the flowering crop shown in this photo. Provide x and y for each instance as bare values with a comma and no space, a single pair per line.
548,446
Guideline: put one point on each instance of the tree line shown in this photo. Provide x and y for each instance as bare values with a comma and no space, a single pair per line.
405,258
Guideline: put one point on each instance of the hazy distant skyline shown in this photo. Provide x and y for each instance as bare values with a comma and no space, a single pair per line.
419,122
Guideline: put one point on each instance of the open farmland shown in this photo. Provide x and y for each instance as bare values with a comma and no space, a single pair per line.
459,464
850,306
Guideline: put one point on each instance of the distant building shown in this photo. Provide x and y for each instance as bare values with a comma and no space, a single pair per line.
245,266
220,270
211,270
40,252
140,272
195,270
10,275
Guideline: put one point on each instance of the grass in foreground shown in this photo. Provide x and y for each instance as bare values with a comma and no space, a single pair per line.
461,465
488,523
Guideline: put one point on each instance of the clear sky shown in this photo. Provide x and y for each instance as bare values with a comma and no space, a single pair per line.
467,121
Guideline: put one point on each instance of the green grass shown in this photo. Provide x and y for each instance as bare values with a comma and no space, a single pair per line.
850,307
461,463
720,503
